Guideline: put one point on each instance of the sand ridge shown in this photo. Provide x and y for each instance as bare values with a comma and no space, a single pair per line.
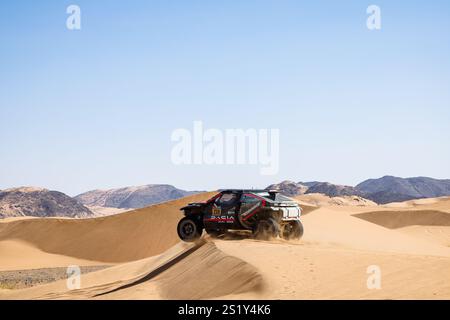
330,262
124,237
185,271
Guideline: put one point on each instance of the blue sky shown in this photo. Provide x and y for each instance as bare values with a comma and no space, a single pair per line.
95,108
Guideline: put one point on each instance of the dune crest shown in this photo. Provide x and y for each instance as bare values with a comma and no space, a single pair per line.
330,262
185,271
123,237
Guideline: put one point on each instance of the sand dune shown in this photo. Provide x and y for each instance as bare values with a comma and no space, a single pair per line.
318,199
315,271
441,203
399,219
106,211
330,262
171,275
436,234
119,238
340,227
19,255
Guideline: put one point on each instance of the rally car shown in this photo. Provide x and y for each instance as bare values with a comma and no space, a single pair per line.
265,213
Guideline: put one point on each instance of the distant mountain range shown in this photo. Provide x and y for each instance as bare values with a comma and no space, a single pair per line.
334,190
38,202
132,197
392,189
383,190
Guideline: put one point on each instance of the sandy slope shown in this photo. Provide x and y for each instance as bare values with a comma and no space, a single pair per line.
106,211
437,234
318,199
331,261
305,271
440,203
19,255
344,227
171,275
129,236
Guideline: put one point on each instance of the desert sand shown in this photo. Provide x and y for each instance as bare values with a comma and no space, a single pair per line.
106,211
409,242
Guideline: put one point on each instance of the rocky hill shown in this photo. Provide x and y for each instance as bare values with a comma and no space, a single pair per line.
333,190
383,190
393,189
292,189
132,197
289,188
38,202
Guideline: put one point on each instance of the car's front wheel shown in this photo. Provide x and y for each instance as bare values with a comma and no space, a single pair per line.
188,230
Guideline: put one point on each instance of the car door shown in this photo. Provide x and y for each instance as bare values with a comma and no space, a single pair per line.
250,205
224,208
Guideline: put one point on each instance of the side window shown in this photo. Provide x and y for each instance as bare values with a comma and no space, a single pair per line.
249,203
249,199
226,199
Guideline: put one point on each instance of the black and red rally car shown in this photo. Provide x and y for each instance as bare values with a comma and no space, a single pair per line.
266,213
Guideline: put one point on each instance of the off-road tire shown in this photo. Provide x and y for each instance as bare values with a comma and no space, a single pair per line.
266,229
188,230
293,230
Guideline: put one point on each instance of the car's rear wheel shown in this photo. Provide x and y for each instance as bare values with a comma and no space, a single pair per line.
293,230
188,229
267,229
